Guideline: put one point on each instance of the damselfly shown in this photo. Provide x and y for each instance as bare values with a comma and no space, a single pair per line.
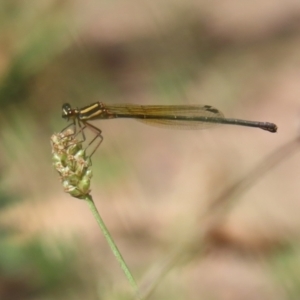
174,116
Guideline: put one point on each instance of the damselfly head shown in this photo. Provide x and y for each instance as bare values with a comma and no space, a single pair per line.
67,111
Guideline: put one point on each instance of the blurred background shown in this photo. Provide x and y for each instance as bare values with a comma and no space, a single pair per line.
190,216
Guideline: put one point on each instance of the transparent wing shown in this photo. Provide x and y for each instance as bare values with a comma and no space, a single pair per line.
173,116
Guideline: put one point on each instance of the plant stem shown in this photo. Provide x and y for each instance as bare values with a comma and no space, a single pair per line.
111,242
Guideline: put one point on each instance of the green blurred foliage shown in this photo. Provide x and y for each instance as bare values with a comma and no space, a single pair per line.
31,269
285,269
33,37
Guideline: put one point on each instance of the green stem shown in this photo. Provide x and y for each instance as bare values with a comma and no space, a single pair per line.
111,242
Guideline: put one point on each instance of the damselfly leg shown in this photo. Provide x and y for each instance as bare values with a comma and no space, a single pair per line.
98,136
81,131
